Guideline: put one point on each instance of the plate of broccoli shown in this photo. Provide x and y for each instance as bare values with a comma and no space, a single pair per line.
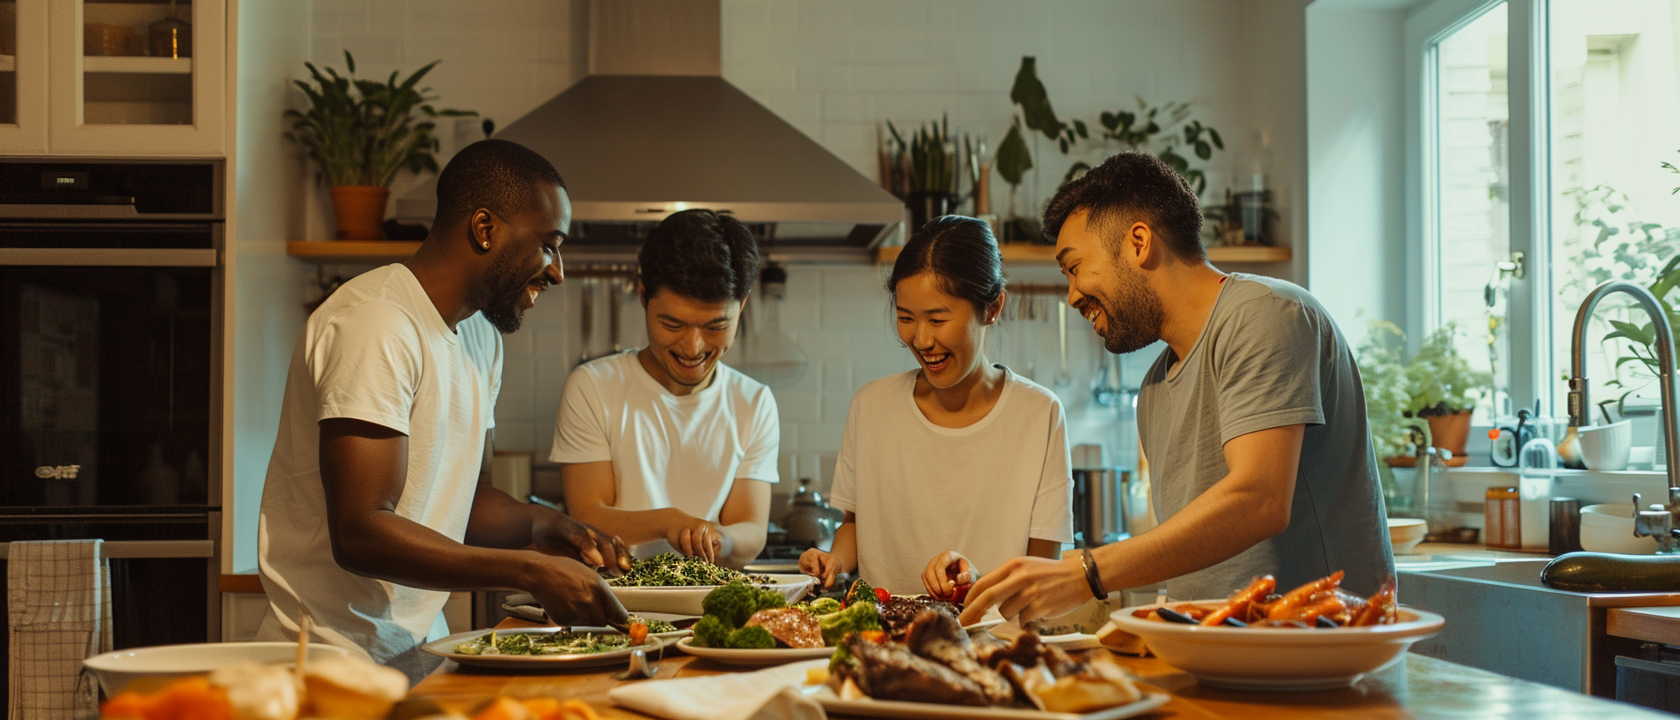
754,626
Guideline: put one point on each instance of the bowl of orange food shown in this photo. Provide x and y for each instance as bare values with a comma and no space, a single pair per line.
1313,637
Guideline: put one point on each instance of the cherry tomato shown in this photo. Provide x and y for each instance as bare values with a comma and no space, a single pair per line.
882,594
638,633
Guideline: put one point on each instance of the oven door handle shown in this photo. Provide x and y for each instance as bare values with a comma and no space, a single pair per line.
69,212
85,257
148,549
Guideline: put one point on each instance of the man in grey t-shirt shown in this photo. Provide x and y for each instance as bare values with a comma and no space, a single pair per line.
1252,420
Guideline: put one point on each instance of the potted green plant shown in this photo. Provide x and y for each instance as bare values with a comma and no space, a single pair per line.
1435,385
1444,389
929,164
1163,131
1382,371
362,133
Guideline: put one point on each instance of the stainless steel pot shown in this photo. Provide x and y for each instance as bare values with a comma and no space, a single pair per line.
1099,505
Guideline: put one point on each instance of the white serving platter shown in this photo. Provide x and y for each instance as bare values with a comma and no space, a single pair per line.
753,658
686,600
870,707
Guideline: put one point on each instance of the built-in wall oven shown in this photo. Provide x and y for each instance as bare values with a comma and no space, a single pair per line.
110,357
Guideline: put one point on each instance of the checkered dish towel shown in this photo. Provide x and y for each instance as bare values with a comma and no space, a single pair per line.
58,596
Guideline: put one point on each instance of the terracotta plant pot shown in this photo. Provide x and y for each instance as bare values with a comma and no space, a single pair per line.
359,211
1451,432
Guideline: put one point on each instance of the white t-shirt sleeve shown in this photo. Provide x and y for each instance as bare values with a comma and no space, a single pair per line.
580,431
763,439
366,364
842,494
1052,516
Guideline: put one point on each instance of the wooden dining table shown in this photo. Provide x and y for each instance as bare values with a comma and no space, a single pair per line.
1418,687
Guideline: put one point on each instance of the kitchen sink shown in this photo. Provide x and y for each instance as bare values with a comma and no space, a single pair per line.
1500,618
1514,572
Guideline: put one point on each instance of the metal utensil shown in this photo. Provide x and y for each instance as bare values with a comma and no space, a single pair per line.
640,668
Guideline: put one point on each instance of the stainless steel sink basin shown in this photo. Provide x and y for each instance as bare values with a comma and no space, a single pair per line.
1515,572
1500,618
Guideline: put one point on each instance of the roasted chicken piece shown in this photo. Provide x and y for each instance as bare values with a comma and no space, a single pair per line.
792,627
889,671
937,636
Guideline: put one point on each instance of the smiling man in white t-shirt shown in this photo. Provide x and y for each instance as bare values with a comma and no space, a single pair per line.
665,446
378,495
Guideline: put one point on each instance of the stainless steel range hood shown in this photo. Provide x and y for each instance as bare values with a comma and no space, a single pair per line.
655,129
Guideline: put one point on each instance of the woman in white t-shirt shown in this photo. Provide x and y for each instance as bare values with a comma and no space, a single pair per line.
953,468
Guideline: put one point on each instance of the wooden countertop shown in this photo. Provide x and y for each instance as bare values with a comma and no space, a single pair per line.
1418,687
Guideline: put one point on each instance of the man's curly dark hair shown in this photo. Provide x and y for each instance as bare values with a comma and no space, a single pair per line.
701,255
1130,187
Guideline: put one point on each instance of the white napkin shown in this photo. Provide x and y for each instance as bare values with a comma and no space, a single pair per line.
768,694
58,601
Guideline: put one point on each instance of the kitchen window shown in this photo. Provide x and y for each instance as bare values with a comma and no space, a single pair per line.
1544,129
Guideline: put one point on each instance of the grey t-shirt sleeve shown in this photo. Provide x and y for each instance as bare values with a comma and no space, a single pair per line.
1268,363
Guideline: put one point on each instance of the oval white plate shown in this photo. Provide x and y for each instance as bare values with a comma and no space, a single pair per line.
1279,658
117,669
686,600
753,658
445,648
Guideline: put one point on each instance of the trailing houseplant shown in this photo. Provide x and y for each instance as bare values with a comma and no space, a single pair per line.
1166,131
362,133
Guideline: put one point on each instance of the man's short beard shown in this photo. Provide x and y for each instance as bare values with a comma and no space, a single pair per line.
506,290
1134,317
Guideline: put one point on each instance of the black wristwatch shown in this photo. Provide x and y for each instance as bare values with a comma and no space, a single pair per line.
1090,565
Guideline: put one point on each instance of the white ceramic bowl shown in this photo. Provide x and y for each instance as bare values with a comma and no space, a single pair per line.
1606,447
1609,528
1405,534
1279,658
116,669
686,600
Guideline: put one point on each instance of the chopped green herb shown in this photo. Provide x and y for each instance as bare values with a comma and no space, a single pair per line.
673,570
493,643
654,626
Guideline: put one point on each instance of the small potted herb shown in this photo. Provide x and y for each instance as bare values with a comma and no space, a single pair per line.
362,133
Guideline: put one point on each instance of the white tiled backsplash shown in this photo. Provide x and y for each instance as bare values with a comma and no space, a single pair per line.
839,316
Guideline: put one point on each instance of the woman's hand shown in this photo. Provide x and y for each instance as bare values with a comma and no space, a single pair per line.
693,537
1029,588
948,575
820,565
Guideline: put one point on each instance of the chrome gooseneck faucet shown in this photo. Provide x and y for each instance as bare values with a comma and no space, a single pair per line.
1653,522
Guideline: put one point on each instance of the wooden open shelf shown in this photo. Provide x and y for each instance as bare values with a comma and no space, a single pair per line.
352,251
128,64
381,251
1023,253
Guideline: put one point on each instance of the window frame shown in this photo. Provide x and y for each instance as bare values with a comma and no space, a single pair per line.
1531,366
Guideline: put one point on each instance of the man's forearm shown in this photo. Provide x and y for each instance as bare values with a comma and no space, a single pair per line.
499,521
385,546
633,526
742,542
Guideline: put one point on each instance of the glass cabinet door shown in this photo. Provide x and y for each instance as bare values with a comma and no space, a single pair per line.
23,76
146,76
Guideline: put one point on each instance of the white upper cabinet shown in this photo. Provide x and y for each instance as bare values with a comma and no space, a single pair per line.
120,78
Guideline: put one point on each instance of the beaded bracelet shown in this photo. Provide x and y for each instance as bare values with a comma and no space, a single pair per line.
1091,577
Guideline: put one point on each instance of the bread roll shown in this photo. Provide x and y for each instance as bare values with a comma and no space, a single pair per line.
352,688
